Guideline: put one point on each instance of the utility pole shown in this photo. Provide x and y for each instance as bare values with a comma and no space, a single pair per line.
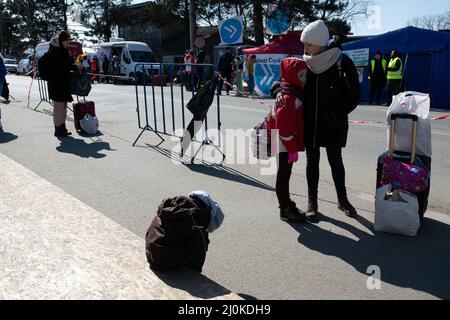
192,23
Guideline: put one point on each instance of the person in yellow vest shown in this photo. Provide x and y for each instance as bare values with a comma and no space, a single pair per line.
394,76
377,77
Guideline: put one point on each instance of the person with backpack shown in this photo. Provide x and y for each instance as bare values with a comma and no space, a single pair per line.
288,120
332,92
55,67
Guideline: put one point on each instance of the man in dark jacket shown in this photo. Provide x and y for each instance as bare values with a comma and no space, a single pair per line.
394,76
105,68
225,68
59,81
377,77
332,92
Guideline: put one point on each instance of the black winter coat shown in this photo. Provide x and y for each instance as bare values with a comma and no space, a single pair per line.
225,65
329,99
172,239
59,83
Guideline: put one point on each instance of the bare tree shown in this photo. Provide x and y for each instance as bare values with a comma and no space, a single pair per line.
432,22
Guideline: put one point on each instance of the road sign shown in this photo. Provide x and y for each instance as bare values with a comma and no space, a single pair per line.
279,21
265,75
199,42
231,30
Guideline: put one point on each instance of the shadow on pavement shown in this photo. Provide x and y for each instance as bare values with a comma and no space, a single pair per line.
82,149
6,137
213,170
194,283
420,263
230,174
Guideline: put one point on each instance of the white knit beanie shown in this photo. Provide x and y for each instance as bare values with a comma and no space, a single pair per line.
316,33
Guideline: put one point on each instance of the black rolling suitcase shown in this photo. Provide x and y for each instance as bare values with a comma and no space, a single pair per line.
405,157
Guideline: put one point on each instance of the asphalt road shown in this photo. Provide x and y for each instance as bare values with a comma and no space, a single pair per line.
253,253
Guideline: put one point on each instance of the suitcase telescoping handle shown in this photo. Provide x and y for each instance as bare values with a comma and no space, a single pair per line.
415,120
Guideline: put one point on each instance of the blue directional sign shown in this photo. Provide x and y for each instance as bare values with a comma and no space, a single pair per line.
231,30
265,75
279,21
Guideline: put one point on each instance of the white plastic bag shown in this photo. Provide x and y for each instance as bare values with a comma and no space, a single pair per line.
398,216
416,103
89,124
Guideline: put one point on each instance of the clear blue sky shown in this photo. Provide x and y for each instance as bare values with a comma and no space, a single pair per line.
394,14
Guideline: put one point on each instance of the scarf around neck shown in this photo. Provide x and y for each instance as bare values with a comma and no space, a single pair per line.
323,61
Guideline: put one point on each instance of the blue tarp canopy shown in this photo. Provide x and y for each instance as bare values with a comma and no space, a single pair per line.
426,61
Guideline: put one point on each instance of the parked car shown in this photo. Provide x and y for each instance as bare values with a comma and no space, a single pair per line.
11,65
24,66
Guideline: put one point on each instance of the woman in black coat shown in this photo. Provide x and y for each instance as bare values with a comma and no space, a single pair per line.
59,81
331,94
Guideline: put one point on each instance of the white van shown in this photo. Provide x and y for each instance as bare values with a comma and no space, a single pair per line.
130,54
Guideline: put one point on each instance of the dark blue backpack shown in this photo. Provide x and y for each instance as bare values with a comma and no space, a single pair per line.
45,67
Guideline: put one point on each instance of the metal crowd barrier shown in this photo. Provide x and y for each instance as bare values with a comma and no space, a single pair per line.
169,88
43,92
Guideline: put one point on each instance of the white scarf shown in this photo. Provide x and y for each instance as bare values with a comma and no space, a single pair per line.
323,61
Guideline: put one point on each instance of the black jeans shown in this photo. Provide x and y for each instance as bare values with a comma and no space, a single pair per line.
393,88
337,168
283,178
376,88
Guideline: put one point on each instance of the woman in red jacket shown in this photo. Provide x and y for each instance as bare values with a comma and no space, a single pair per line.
288,120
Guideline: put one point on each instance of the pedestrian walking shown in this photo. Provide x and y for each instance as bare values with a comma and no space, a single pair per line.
105,68
250,68
200,70
239,70
189,61
115,68
95,69
59,80
225,68
377,77
288,120
394,76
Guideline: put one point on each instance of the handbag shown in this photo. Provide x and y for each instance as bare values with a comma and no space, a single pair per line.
396,212
80,84
202,100
405,176
261,138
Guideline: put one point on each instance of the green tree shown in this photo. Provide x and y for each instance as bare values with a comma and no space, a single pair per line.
96,16
28,22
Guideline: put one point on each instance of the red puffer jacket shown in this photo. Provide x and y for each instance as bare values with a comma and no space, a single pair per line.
288,118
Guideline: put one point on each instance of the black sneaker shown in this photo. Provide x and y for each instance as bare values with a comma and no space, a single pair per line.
313,210
346,207
292,215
